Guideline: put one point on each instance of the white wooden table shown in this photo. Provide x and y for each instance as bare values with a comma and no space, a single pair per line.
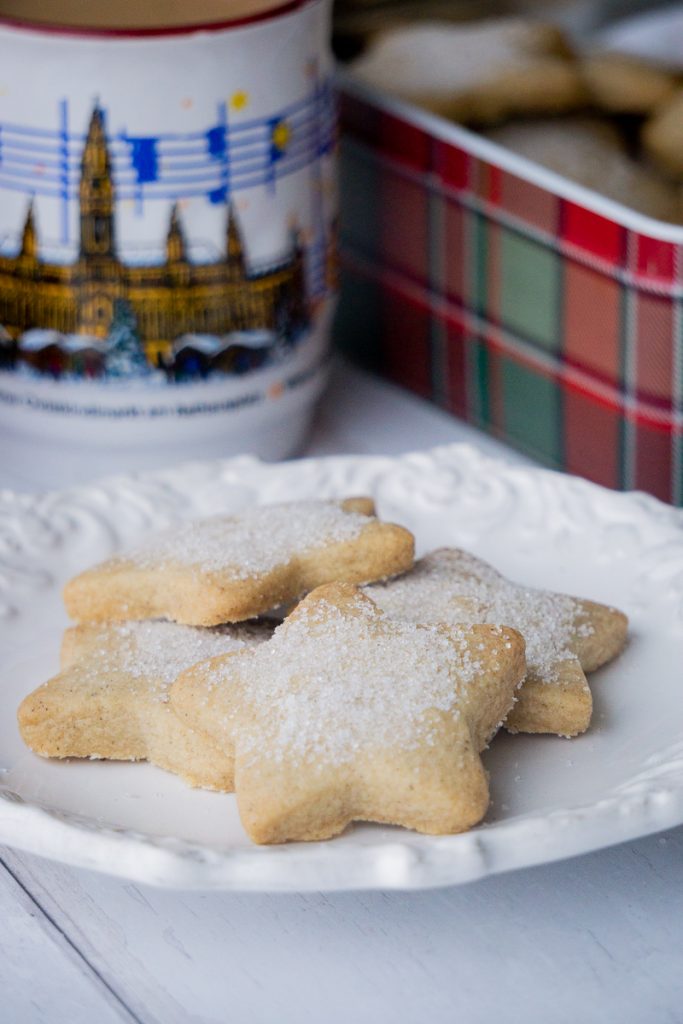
598,938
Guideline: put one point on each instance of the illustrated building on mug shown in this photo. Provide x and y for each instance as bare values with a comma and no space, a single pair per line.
169,299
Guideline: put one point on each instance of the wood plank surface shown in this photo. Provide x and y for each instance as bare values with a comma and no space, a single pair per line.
44,977
593,939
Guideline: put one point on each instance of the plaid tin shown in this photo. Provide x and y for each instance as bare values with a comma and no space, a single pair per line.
552,325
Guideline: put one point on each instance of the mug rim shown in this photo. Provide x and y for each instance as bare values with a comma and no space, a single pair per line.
141,31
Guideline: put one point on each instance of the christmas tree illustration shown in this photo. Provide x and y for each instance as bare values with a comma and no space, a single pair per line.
125,355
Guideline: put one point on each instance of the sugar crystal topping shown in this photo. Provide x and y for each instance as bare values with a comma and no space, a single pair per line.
454,586
330,685
158,652
253,542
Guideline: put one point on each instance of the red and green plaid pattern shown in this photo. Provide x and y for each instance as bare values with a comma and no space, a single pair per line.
554,328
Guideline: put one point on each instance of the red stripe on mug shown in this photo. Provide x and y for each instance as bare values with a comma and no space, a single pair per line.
49,28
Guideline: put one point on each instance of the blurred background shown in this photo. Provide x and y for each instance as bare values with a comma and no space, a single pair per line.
540,307
505,241
356,20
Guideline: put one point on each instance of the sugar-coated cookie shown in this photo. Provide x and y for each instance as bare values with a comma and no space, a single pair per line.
346,715
475,73
622,83
565,636
591,152
231,568
663,135
110,699
356,24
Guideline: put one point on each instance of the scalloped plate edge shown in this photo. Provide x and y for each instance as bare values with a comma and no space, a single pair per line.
401,864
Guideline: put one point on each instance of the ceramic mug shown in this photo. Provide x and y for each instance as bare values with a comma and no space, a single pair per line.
167,233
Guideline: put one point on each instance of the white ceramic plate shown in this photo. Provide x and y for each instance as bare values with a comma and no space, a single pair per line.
551,797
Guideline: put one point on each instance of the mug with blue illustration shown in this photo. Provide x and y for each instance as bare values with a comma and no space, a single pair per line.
167,232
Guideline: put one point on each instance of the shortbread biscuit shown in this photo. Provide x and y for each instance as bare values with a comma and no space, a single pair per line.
663,135
622,83
356,25
565,636
591,152
231,568
478,73
346,715
110,699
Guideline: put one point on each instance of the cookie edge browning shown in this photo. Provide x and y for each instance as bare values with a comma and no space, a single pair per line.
662,135
609,637
202,704
194,698
562,708
49,730
460,793
623,83
185,595
362,504
77,640
101,593
499,707
552,87
381,551
571,697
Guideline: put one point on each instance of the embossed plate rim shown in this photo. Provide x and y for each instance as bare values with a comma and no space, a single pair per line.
37,534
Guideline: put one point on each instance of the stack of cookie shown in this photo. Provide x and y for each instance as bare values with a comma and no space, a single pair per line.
371,700
610,121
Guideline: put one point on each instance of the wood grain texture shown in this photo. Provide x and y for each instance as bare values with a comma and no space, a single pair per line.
589,939
42,972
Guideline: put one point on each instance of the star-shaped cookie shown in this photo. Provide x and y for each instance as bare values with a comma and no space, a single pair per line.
565,636
110,699
346,715
231,568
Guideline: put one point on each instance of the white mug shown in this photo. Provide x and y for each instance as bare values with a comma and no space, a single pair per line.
167,234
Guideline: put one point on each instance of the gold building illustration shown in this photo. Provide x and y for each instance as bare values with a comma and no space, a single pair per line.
169,299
